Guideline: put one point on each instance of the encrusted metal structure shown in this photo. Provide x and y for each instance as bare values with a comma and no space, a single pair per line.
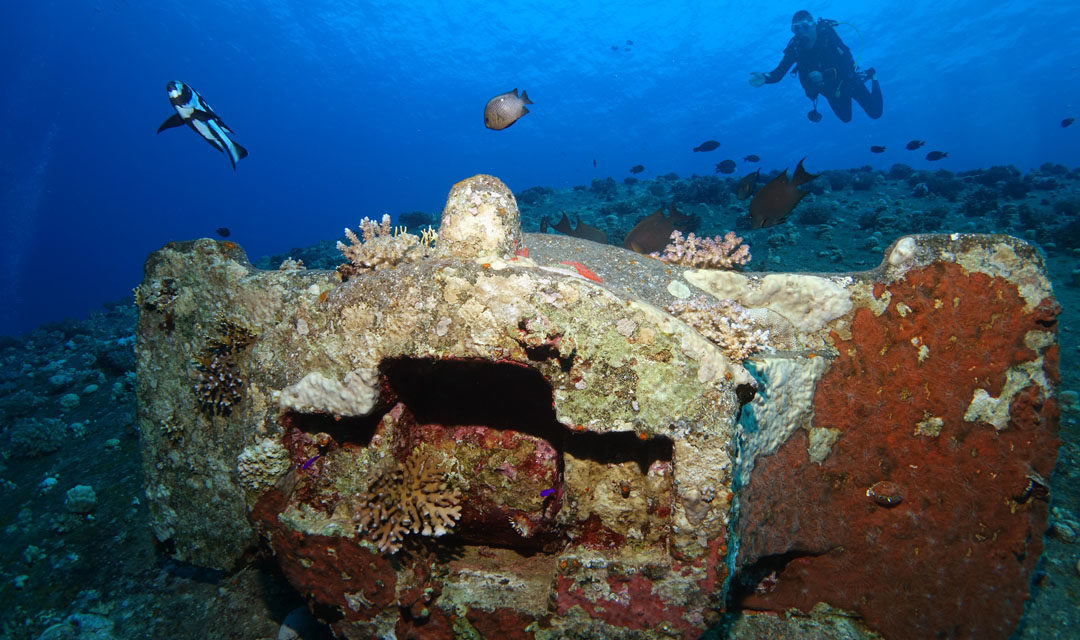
505,435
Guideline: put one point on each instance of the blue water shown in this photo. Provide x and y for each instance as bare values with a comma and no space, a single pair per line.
353,109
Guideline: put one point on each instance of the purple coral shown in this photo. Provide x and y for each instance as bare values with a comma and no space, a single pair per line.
725,252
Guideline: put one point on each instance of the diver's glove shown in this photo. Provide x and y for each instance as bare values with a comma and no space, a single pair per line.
756,79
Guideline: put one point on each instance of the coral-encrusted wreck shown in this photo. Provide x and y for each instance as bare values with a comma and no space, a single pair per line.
478,441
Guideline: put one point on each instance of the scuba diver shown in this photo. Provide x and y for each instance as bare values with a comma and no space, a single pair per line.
825,67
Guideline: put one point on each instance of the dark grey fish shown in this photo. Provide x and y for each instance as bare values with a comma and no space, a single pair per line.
747,185
726,166
877,149
751,158
708,145
914,144
223,232
583,230
936,155
504,109
778,197
637,168
1067,121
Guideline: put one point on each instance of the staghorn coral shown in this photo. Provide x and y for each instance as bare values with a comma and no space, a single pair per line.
381,247
725,322
411,497
727,252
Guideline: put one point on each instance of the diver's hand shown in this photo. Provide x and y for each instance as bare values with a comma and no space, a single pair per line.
816,77
756,79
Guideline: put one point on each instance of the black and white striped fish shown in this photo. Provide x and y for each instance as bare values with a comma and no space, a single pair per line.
193,111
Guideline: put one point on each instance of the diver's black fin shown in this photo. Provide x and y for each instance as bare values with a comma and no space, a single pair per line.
173,121
240,151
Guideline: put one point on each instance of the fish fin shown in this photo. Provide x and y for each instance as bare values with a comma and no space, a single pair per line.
217,145
172,121
802,176
240,151
564,225
525,99
524,111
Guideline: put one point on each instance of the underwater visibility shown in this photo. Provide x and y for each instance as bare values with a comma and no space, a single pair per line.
543,321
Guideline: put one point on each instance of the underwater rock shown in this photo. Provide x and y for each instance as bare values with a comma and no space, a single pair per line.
80,499
80,626
513,434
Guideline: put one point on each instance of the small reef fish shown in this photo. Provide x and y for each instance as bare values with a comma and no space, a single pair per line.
583,231
193,111
777,198
1067,121
504,109
751,158
725,166
637,168
653,233
914,144
223,232
747,185
877,149
594,163
937,155
708,145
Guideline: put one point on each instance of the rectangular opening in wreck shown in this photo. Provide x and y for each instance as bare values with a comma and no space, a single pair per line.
494,411
492,427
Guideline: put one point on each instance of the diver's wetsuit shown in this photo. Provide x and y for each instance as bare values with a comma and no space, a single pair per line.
832,58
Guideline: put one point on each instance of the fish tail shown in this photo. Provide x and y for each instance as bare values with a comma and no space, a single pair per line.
802,176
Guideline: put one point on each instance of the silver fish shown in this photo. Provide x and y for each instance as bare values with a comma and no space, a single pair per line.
504,109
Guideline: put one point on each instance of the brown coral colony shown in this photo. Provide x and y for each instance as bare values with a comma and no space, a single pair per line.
220,384
408,498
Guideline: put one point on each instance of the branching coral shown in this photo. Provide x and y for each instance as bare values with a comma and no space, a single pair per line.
220,383
725,322
725,252
381,247
411,497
